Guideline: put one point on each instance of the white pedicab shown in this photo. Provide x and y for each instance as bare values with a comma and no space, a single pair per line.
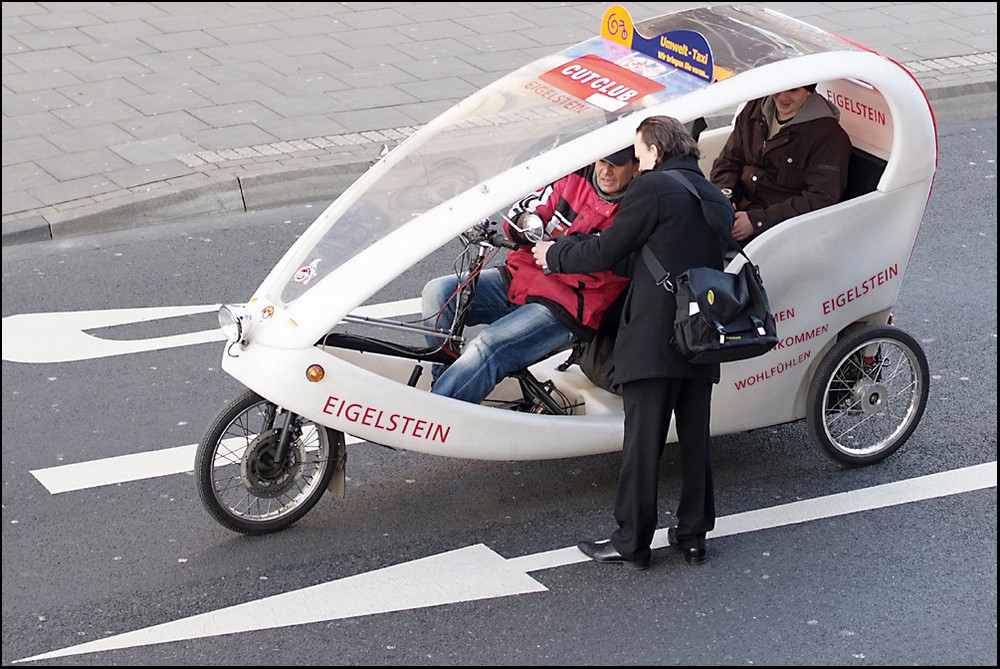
320,363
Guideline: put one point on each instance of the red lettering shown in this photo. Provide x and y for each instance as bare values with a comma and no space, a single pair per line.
366,419
375,417
857,292
406,422
779,368
441,433
857,108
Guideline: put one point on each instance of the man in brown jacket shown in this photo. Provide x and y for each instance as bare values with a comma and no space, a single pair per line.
787,155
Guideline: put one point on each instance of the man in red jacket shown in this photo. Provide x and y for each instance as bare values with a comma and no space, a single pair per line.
530,314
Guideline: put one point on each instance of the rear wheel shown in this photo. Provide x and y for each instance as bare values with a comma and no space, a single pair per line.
239,481
867,396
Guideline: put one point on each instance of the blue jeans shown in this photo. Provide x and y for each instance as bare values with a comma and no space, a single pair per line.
515,336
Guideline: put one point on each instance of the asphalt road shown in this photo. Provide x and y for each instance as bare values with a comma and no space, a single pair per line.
911,582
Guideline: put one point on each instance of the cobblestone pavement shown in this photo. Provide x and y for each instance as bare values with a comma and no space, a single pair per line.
125,114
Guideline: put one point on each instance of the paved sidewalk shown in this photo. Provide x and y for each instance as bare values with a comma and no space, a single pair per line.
127,114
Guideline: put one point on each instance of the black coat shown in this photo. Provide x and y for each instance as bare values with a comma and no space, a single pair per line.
658,211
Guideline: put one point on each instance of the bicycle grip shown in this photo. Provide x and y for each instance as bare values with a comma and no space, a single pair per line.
500,239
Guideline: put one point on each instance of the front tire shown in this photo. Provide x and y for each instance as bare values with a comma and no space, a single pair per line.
238,480
867,396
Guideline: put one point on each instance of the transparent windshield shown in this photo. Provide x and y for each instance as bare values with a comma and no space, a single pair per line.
541,106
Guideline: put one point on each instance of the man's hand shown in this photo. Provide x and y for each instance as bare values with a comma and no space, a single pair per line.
742,227
539,251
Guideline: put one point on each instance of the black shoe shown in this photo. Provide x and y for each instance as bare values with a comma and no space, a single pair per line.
693,550
603,551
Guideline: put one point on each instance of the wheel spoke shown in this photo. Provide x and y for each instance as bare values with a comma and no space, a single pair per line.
854,427
874,396
240,482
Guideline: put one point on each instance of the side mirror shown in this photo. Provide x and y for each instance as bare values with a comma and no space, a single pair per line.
533,228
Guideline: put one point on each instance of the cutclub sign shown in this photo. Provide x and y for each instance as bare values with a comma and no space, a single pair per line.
600,82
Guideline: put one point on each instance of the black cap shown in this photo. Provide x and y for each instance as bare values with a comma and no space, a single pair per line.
623,157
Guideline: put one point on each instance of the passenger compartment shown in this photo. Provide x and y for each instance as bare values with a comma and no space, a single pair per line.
863,114
864,173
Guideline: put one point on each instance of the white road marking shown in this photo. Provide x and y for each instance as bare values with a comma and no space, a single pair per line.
62,337
122,468
109,471
943,484
466,574
476,572
462,575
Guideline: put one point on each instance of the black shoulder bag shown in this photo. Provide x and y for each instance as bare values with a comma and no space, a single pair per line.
720,316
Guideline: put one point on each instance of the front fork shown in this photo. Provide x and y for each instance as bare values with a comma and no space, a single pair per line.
287,432
338,454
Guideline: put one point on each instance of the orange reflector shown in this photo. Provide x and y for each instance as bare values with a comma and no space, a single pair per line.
315,373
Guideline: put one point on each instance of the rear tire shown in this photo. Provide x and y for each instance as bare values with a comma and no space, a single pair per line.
239,482
867,396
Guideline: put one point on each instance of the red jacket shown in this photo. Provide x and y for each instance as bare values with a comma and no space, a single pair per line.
572,205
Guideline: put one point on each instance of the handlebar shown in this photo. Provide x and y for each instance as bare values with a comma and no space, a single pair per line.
484,233
500,239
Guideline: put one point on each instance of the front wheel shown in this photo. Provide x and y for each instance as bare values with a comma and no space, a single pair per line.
241,484
867,396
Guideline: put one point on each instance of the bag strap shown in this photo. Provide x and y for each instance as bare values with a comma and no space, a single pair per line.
662,276
710,216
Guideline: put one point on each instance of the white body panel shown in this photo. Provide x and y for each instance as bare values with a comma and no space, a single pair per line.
823,271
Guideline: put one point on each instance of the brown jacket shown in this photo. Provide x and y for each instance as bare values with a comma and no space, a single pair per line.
802,168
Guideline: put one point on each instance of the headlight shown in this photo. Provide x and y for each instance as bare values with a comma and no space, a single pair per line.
235,322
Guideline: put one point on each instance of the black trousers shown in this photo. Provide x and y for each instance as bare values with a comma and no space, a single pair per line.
649,405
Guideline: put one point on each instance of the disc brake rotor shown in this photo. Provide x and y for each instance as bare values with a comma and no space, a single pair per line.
259,471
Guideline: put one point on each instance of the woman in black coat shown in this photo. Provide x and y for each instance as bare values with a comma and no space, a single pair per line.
656,382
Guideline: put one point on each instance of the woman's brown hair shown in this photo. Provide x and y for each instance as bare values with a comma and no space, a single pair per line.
669,136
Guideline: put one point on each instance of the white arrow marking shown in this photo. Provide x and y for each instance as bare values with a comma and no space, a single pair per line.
122,468
462,575
109,471
476,572
61,337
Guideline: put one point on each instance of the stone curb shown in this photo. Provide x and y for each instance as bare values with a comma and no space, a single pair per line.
237,187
